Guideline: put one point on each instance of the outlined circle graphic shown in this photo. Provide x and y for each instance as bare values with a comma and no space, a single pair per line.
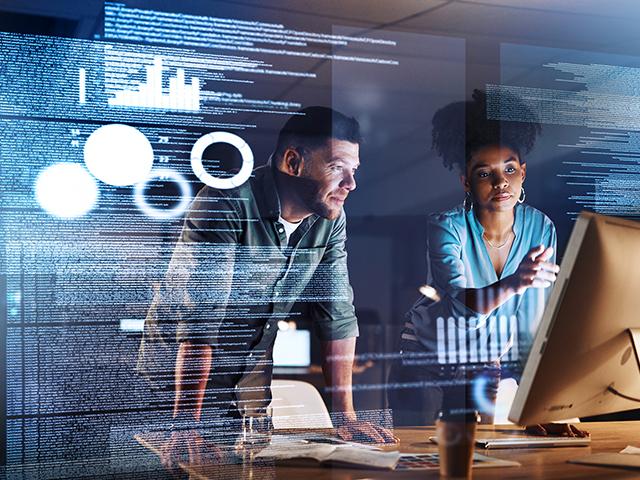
164,213
217,182
118,155
479,392
66,190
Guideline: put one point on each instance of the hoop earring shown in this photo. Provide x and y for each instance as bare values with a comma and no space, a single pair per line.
468,202
523,195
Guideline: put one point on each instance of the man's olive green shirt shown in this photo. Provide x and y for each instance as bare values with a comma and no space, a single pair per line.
233,276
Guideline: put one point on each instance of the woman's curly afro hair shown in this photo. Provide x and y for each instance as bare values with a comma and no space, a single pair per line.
456,143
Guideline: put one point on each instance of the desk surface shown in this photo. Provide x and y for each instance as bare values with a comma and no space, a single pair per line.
539,463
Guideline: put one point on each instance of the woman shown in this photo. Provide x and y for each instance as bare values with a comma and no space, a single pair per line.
491,261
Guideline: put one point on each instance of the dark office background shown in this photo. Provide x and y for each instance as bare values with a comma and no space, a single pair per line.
445,50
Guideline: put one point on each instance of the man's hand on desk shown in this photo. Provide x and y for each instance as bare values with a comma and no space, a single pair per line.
365,432
189,448
556,429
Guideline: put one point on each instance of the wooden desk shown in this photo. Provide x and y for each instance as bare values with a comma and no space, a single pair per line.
540,463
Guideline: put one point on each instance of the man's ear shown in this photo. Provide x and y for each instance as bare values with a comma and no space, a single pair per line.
292,162
465,183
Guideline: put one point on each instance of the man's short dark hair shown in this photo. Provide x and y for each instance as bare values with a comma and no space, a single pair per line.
460,129
312,127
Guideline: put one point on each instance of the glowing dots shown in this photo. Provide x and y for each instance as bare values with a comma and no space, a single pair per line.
66,190
132,325
118,155
217,182
163,213
284,326
121,155
429,292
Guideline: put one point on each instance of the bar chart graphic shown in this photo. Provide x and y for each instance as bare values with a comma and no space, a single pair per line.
150,94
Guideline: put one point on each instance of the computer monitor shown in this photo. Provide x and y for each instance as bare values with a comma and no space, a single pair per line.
292,348
585,356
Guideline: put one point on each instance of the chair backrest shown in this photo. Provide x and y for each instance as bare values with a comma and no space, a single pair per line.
506,393
297,404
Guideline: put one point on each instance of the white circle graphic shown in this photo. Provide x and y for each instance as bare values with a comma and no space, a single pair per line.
118,155
164,213
66,190
217,182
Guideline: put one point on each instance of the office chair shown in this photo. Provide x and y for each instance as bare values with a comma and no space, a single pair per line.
297,404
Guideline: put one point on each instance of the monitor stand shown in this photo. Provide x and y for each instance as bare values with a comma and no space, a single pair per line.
634,338
623,460
634,333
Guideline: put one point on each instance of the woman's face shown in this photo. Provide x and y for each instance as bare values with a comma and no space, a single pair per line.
494,177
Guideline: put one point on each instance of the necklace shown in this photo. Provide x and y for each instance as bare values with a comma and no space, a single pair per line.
496,246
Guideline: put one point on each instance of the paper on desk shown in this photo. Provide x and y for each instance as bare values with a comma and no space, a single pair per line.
365,458
631,450
285,451
323,453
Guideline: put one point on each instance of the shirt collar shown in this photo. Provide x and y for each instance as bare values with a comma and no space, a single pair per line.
518,219
270,207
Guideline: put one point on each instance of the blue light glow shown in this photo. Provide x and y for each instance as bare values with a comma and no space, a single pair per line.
479,389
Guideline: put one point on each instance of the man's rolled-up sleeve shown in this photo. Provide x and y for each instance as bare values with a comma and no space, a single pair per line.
334,317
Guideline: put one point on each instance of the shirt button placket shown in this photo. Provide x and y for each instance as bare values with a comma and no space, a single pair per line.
280,230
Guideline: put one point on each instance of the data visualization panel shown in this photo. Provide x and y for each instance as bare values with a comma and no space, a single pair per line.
589,105
104,145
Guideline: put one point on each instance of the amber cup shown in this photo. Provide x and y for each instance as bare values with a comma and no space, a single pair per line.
456,433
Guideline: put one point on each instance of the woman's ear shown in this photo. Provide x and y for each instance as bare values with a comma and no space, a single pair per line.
523,169
292,162
465,183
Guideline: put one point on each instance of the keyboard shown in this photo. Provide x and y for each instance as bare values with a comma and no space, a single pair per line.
533,442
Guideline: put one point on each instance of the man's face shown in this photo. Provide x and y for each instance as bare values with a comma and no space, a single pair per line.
494,177
329,173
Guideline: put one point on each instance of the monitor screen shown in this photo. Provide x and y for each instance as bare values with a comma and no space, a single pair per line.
583,360
292,348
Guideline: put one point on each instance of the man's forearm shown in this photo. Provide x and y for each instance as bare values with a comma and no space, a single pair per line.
337,366
193,364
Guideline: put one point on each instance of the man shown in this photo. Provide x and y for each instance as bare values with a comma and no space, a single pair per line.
246,255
